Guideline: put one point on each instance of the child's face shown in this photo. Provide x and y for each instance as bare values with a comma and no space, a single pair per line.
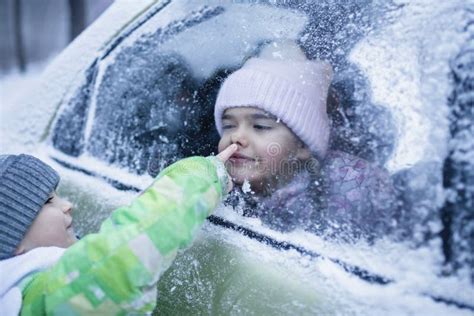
266,148
52,226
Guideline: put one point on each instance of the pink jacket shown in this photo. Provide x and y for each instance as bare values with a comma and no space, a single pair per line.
356,199
360,196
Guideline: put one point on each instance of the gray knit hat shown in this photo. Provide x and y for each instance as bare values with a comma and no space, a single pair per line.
25,185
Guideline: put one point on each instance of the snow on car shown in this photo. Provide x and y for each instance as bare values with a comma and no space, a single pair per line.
136,91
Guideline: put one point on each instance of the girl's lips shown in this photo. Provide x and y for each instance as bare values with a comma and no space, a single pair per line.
240,159
240,156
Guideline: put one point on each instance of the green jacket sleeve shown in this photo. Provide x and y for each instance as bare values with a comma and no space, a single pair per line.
116,270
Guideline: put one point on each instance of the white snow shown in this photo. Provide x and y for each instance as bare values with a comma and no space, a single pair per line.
223,50
12,87
408,71
265,22
415,271
38,103
246,187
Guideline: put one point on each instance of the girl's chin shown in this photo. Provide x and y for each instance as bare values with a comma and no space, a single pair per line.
241,179
255,184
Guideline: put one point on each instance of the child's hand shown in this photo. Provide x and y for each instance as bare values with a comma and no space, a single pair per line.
224,156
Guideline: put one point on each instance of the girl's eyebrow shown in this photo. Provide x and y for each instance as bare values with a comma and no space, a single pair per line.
227,117
257,116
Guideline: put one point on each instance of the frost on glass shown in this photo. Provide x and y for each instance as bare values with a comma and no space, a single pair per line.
419,67
148,105
152,103
142,104
360,127
457,213
154,97
68,131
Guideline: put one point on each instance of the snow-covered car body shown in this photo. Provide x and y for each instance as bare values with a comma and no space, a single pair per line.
136,89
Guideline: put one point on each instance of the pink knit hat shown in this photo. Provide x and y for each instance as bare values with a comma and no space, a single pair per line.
295,91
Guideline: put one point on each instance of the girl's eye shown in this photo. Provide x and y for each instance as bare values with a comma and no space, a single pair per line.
50,199
262,127
227,126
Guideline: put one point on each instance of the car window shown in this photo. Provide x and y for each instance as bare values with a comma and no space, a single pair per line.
148,100
152,96
68,131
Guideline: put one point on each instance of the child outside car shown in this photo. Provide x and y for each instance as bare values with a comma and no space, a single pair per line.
45,270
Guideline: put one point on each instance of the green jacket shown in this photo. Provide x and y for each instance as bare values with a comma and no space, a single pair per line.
116,270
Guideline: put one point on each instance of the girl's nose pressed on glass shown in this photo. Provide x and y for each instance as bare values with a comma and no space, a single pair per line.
239,138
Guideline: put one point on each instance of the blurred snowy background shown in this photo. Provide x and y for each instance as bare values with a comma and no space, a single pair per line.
33,31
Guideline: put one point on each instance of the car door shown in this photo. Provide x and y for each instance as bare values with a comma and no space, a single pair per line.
148,100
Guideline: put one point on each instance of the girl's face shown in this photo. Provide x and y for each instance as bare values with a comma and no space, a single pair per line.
268,152
51,227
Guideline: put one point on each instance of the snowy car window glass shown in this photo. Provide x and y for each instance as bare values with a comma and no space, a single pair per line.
153,95
144,101
68,131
